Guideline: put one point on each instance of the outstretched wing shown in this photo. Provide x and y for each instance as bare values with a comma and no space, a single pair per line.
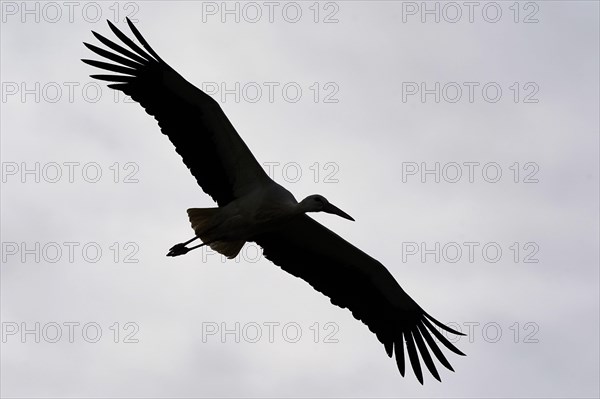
195,123
354,280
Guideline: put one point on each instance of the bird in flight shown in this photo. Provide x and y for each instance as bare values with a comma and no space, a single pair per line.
253,208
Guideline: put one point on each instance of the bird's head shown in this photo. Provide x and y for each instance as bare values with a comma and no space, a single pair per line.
318,203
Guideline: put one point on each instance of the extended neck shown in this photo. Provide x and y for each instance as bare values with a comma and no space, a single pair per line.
303,207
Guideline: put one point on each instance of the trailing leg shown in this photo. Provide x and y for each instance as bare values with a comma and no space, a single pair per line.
181,249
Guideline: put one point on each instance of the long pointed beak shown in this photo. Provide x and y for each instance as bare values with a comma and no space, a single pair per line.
329,208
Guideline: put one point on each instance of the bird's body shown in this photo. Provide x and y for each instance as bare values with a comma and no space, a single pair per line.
262,210
265,209
252,207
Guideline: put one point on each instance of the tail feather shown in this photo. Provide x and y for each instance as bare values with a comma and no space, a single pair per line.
202,220
228,248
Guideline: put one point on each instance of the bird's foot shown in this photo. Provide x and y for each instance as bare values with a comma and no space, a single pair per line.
178,249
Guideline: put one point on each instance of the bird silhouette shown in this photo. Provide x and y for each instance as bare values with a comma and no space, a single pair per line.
254,208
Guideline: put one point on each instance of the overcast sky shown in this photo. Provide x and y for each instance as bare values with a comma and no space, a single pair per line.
367,103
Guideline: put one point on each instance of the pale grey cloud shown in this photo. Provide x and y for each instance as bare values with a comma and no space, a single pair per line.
547,312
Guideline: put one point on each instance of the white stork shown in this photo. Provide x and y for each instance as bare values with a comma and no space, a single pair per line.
252,207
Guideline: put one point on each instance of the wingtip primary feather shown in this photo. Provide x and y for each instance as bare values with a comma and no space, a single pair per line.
112,78
98,35
130,43
111,25
434,347
389,348
118,86
121,50
142,40
399,349
113,56
110,67
442,325
442,339
429,363
414,357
